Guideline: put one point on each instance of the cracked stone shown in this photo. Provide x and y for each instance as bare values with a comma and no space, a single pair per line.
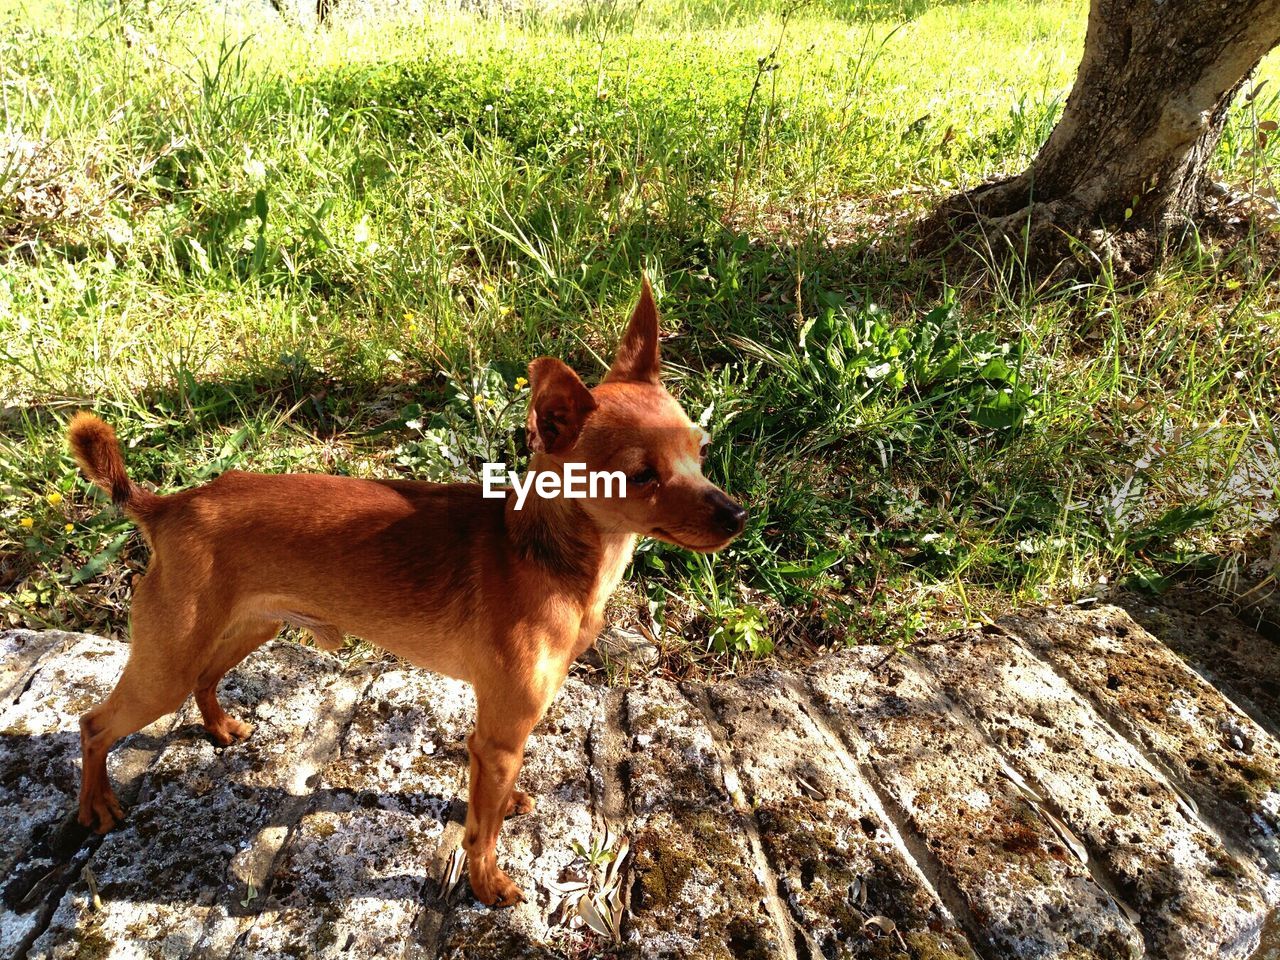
1018,881
840,862
1145,691
165,876
1194,897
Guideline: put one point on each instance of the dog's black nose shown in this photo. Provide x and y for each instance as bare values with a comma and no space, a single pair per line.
729,517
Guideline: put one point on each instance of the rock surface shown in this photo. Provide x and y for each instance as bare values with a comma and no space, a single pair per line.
1061,784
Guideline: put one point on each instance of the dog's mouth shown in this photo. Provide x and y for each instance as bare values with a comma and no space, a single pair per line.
714,547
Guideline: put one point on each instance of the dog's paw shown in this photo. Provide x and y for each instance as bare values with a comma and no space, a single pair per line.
495,889
100,812
229,731
520,804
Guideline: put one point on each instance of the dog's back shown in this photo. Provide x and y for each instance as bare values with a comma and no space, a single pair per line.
325,553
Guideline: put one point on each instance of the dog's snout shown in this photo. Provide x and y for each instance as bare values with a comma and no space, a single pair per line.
728,515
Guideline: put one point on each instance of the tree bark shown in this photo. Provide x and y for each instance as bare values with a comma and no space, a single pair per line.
1137,135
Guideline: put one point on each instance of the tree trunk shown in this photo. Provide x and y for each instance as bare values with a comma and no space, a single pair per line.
1129,156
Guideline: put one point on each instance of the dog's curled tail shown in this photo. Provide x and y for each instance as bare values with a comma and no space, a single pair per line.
96,449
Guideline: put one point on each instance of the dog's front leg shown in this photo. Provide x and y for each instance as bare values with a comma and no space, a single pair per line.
504,718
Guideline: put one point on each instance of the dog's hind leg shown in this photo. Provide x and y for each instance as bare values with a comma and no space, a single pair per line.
238,642
165,654
142,696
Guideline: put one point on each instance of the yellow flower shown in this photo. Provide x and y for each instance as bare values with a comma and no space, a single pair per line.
69,527
521,383
26,523
408,318
55,498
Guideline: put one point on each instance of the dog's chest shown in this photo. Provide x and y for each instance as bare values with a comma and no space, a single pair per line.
613,564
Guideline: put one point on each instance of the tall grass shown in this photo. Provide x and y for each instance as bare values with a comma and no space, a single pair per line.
254,246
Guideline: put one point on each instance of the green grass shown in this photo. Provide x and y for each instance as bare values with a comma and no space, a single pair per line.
254,247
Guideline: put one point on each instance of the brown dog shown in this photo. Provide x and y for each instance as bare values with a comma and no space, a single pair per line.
438,574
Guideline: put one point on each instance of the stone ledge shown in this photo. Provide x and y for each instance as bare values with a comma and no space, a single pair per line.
1059,785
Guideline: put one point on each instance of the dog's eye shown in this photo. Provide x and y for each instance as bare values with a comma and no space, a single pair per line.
643,478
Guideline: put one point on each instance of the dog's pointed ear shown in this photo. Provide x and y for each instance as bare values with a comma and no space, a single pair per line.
637,357
558,405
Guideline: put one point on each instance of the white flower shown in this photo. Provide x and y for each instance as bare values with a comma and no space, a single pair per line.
118,231
361,232
255,170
